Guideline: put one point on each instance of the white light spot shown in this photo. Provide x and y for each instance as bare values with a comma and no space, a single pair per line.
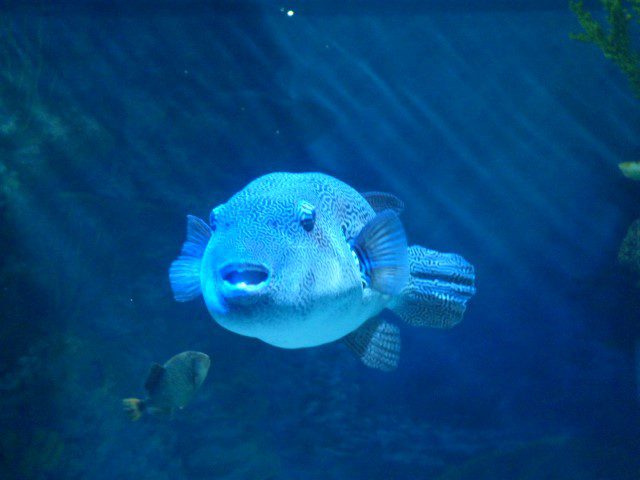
290,13
242,285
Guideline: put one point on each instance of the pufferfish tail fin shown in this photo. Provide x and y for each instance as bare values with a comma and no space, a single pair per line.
133,407
184,272
440,284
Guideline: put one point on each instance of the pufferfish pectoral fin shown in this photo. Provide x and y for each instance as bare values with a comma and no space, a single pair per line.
380,201
376,343
184,272
381,248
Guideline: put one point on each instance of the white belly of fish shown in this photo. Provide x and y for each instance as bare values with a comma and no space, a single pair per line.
322,325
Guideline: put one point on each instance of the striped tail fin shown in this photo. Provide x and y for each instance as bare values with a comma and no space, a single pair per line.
439,287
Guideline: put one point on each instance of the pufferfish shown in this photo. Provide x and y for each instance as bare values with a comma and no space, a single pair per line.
302,259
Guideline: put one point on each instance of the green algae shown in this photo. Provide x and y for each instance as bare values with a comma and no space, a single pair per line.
615,37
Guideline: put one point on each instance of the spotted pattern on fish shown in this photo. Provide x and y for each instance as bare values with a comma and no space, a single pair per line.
312,273
298,260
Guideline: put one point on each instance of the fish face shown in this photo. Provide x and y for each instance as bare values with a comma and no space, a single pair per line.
278,265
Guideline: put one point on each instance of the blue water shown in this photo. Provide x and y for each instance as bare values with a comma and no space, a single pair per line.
501,135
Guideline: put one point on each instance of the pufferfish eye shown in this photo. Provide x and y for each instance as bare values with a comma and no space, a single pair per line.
306,215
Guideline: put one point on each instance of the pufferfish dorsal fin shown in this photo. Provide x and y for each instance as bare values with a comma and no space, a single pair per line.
153,379
380,201
184,273
381,249
376,343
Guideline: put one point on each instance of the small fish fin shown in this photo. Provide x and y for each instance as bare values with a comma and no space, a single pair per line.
133,407
381,248
184,272
155,374
438,290
380,201
376,343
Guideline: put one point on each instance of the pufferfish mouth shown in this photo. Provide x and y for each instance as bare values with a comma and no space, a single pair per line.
240,279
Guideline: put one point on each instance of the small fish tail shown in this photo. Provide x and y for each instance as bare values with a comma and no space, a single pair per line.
440,284
133,407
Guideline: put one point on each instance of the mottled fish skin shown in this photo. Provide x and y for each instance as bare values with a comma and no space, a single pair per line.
302,259
315,294
183,374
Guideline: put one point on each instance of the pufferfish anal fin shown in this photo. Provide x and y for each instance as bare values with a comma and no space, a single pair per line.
184,273
376,343
438,290
381,248
380,201
153,379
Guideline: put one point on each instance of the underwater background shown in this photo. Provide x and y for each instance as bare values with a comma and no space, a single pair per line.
501,134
